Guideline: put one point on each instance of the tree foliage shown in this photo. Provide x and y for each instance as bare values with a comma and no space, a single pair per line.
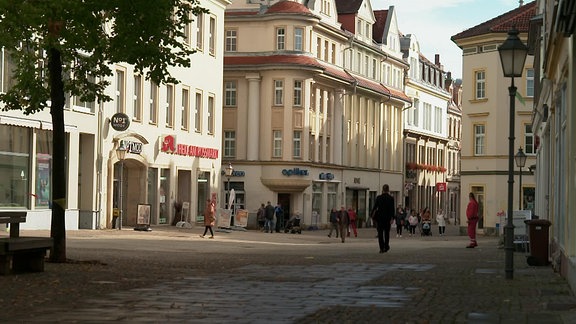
90,35
68,46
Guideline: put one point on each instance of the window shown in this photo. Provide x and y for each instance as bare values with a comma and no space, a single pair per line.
7,70
530,83
297,144
120,91
480,81
298,93
438,120
200,32
229,144
43,168
83,105
374,68
529,140
359,62
229,93
211,116
169,105
416,112
427,116
185,109
212,36
137,113
277,144
198,113
298,39
366,65
479,134
280,39
333,53
278,92
153,103
326,50
187,34
15,158
231,40
318,48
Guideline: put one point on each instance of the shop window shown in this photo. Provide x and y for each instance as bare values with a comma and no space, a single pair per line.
43,168
15,161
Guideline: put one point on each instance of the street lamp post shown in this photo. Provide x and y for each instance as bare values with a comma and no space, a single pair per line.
520,162
120,154
512,56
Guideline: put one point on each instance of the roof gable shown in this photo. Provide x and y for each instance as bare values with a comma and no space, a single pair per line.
518,18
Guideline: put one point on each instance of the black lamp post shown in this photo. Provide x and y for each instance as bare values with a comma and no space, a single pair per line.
512,56
520,162
121,155
228,172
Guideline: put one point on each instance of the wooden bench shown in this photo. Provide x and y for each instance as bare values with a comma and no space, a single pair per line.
21,254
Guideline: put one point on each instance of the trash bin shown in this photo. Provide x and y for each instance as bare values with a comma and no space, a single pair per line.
538,234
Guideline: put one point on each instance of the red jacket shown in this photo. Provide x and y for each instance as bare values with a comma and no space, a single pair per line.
472,210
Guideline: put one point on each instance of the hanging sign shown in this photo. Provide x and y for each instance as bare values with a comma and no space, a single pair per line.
120,122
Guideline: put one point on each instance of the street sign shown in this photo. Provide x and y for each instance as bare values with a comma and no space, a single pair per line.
441,186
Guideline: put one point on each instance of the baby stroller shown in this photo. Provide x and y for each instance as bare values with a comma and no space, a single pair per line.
293,225
426,228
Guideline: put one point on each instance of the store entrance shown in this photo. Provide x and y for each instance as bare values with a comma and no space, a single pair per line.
284,200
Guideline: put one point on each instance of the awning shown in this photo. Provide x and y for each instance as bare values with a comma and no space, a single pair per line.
16,121
67,128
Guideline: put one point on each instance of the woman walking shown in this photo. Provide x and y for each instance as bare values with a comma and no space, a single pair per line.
209,218
472,216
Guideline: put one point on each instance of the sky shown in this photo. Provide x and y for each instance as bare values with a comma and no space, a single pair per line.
434,22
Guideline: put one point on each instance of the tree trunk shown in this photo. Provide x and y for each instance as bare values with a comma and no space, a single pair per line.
59,203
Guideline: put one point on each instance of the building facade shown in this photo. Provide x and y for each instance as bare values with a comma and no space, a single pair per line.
310,120
172,143
485,111
426,131
551,40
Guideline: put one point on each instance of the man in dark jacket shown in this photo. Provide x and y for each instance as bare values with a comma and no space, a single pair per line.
269,214
383,214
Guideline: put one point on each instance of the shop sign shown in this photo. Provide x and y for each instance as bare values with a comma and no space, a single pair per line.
441,186
120,121
326,176
235,173
133,147
295,171
170,146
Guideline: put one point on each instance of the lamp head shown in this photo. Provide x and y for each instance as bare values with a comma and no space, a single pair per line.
229,170
520,158
121,150
513,54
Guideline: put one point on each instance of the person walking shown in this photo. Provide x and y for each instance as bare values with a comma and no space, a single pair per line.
400,215
209,218
261,217
333,222
269,215
353,217
472,217
383,214
441,220
343,223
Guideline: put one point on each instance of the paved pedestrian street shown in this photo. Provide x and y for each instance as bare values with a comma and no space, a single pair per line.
255,277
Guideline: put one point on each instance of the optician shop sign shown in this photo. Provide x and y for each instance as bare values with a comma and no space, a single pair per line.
170,146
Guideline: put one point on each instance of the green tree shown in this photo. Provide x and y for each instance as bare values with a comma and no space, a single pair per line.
68,46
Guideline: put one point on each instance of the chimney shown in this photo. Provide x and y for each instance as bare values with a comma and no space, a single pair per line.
437,59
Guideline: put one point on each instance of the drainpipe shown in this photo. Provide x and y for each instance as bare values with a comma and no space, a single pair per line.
99,166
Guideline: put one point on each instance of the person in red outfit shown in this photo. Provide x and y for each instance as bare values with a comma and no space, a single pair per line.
352,215
472,216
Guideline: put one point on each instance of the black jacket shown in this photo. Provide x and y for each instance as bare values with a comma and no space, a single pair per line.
384,208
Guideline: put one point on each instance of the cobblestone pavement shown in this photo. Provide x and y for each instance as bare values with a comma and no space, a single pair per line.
172,275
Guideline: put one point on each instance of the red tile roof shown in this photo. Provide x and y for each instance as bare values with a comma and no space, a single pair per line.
378,27
288,7
519,18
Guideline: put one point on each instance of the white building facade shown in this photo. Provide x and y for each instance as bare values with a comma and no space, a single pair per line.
173,143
